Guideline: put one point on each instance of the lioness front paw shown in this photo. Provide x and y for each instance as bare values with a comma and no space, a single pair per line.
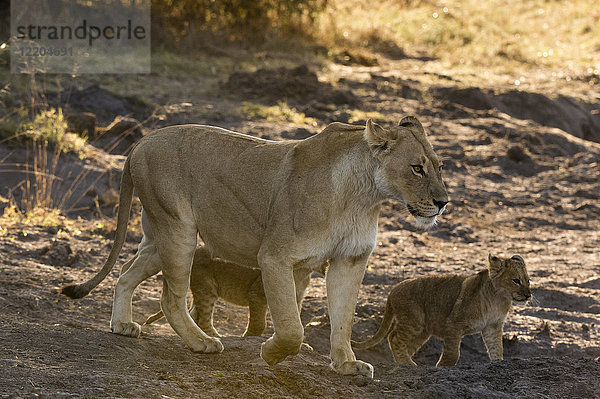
354,367
208,345
129,329
273,354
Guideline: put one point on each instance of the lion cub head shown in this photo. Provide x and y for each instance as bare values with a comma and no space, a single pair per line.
509,276
410,171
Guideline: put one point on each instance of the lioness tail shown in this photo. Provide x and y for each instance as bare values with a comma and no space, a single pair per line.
386,323
125,198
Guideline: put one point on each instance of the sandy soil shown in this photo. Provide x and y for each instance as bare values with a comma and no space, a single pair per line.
517,186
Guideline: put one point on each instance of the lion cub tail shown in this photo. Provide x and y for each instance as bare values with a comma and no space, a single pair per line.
125,198
156,316
386,324
159,315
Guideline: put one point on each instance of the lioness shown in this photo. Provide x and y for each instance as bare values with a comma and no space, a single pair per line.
277,206
450,307
212,279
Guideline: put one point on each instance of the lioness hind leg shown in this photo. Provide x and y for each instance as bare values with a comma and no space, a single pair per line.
146,263
176,243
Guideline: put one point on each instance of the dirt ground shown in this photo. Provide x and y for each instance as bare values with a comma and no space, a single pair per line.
519,183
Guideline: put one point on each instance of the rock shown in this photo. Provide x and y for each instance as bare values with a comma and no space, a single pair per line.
120,135
123,124
518,154
109,197
82,123
56,254
297,134
104,104
354,57
296,86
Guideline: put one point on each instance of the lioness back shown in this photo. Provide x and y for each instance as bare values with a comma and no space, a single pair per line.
233,199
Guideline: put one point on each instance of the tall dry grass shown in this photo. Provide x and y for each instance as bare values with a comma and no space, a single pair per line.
497,34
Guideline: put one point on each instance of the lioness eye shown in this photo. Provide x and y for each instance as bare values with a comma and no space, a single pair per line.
418,169
516,281
442,167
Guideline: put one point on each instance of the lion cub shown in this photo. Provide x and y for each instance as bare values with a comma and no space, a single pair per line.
212,279
450,307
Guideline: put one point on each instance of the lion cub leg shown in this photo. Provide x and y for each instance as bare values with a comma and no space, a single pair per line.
408,333
205,297
417,343
302,280
257,309
492,338
451,350
404,344
400,340
205,292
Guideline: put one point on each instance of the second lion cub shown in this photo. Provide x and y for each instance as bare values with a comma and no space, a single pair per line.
212,279
450,307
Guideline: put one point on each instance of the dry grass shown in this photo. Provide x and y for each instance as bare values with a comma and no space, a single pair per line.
500,35
48,189
281,112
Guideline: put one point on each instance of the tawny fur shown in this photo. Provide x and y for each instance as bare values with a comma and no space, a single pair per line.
214,279
450,307
276,206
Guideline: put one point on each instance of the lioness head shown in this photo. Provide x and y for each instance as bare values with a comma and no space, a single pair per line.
510,276
409,170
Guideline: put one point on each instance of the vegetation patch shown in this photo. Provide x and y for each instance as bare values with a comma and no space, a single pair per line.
281,112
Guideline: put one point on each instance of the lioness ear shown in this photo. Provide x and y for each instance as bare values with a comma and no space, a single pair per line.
495,266
377,138
518,257
411,121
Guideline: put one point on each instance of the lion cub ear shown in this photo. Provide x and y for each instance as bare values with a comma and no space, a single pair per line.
496,265
378,138
518,257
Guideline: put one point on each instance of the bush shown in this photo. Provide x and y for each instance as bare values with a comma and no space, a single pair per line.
238,18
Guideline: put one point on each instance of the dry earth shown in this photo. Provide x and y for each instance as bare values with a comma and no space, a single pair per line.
518,185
